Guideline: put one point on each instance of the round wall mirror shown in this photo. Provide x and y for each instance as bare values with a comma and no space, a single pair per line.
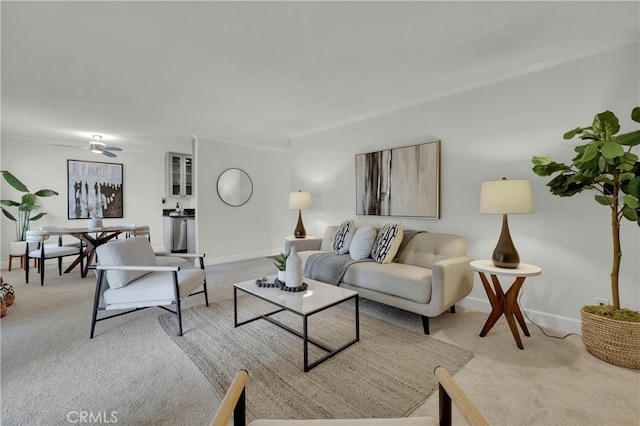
234,187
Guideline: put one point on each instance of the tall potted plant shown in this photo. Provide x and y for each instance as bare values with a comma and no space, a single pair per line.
605,164
26,206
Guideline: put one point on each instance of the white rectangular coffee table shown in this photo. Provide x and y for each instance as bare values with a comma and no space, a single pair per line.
316,298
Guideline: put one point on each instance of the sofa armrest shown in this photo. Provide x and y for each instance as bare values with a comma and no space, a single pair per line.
302,244
452,281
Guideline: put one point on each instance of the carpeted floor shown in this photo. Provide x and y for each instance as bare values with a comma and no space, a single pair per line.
365,380
51,371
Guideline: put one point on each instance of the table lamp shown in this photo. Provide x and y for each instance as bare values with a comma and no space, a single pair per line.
299,201
506,197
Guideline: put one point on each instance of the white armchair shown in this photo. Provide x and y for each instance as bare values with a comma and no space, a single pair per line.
128,277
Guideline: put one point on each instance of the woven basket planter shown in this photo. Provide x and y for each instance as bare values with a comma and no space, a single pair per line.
613,341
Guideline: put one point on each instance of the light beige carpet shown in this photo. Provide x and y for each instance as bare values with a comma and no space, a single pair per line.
50,368
388,373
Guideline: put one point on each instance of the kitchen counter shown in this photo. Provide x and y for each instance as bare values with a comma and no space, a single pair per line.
185,213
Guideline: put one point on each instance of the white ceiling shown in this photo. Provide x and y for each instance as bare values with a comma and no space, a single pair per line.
150,74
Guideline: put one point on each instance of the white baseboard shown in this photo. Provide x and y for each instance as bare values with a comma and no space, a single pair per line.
240,256
543,319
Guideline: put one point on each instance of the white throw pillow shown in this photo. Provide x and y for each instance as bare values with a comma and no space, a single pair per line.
387,243
126,252
362,242
343,237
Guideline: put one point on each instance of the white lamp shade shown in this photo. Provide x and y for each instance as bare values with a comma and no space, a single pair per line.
506,197
299,200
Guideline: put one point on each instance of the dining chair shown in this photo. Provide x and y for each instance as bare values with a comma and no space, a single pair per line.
46,251
130,226
141,231
61,240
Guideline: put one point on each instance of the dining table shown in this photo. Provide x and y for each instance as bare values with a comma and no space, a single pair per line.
91,239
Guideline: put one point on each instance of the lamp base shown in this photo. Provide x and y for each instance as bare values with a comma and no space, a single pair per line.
505,254
299,232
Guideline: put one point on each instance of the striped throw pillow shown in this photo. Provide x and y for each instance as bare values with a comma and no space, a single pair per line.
387,243
343,237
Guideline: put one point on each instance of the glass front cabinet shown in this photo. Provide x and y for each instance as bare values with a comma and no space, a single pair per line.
179,175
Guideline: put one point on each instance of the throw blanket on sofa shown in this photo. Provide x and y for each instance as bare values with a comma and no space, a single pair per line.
329,267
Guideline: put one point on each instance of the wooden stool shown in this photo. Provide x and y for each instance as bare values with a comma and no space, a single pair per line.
12,256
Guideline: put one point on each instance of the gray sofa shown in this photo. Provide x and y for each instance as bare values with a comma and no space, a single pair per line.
429,275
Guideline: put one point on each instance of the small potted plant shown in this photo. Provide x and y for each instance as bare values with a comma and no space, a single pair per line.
25,207
281,263
605,164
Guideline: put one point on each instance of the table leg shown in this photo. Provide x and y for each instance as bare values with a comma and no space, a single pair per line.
506,304
512,303
305,342
497,308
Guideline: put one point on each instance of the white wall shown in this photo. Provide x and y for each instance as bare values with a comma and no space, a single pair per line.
488,133
256,228
40,165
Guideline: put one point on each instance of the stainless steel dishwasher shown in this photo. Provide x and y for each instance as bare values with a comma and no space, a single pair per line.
176,233
179,235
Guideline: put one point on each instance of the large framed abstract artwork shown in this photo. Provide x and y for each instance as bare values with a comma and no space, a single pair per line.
401,181
94,190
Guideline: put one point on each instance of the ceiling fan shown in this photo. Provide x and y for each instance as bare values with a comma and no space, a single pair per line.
97,147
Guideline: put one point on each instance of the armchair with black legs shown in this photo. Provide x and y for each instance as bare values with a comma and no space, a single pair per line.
129,278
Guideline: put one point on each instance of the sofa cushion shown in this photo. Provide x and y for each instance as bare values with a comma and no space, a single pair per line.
127,252
343,237
396,279
362,242
387,243
425,249
327,238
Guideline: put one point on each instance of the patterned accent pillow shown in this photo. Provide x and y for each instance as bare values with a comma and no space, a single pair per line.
362,242
343,237
387,243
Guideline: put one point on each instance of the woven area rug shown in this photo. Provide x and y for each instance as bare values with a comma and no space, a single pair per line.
388,373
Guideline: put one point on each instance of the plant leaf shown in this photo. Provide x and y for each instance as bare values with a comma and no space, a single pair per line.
590,152
46,193
544,166
571,133
605,201
629,139
9,203
14,181
635,114
611,150
633,187
28,200
606,124
631,201
9,215
631,214
36,217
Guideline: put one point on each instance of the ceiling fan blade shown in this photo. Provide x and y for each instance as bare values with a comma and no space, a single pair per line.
109,154
112,148
70,146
